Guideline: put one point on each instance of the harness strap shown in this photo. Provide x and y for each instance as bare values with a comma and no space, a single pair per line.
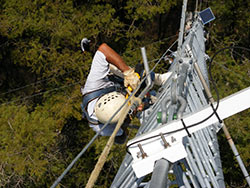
88,97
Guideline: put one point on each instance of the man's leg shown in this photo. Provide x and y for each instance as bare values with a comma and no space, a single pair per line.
122,138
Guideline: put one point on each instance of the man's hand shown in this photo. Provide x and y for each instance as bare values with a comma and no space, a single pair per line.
131,78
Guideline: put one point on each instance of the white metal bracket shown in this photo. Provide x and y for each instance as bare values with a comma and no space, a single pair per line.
152,146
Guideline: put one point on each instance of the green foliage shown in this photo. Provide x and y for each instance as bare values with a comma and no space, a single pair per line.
146,10
231,26
24,146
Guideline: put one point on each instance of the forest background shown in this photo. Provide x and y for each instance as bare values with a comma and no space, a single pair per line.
42,69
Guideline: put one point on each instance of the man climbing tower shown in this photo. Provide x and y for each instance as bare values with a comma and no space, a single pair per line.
103,95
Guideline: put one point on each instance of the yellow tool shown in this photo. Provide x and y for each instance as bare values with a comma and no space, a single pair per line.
129,88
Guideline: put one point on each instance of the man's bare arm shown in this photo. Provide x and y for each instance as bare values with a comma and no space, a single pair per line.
113,57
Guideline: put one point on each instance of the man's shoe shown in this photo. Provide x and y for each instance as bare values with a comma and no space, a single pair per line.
161,78
121,139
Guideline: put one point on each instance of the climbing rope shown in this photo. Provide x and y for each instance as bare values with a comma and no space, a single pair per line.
102,159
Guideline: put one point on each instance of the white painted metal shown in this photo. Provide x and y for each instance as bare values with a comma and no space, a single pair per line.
154,148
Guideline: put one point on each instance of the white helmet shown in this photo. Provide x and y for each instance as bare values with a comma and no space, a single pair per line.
107,105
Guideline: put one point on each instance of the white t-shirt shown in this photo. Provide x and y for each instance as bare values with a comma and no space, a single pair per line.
98,79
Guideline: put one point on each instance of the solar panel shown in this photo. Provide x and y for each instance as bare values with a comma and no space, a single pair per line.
206,16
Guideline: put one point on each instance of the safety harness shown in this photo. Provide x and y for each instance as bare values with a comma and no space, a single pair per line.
88,97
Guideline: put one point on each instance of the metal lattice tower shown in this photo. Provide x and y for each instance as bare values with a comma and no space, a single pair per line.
185,92
202,166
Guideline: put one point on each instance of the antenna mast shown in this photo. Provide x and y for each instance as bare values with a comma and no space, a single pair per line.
182,24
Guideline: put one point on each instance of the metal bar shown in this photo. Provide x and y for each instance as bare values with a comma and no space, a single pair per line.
149,80
178,175
193,163
160,174
181,31
205,161
197,157
191,176
225,130
204,140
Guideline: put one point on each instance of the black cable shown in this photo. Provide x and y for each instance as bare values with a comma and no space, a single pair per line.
216,114
185,127
214,109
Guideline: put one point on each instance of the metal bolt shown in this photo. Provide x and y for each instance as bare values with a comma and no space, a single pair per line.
143,154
